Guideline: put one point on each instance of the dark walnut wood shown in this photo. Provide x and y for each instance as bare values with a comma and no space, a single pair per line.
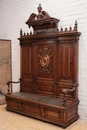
49,72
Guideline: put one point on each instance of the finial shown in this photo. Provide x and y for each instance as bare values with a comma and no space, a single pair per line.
30,33
20,32
27,34
75,27
24,34
39,8
61,29
70,28
40,15
65,29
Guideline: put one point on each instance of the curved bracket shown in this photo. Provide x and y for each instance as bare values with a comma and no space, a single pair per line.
68,90
10,82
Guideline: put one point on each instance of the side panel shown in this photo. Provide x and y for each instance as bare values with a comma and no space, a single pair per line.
27,61
67,65
27,67
65,62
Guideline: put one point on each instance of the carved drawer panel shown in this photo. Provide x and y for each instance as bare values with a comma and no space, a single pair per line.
53,115
31,109
72,113
13,104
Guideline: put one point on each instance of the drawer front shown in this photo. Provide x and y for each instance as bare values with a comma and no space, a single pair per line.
72,113
31,109
53,115
14,105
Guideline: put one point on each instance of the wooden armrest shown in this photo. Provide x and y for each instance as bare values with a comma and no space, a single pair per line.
10,82
65,91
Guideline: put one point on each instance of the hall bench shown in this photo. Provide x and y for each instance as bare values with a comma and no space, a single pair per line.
48,71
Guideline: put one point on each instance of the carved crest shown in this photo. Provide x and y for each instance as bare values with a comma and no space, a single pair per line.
42,22
45,61
41,15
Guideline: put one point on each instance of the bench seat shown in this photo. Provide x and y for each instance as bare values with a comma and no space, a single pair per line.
46,108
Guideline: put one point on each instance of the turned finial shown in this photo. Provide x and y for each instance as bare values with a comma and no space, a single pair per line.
65,29
75,27
20,32
24,34
27,34
40,15
39,8
70,28
61,29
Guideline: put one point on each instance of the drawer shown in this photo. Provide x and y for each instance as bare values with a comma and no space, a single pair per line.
13,105
53,115
31,109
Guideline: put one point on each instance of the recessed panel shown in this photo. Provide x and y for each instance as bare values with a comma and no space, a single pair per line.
43,88
52,114
27,61
14,105
65,62
27,86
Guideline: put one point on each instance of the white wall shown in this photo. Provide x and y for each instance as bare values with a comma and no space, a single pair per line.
14,14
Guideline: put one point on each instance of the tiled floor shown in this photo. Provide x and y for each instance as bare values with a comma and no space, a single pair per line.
14,121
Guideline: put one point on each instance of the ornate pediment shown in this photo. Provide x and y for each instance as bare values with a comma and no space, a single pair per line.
40,16
42,21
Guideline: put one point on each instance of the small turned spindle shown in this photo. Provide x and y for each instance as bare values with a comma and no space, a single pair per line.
75,27
30,33
21,32
70,28
65,29
8,89
57,30
61,29
24,34
27,34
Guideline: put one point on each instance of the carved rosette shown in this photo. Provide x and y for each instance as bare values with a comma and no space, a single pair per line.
45,61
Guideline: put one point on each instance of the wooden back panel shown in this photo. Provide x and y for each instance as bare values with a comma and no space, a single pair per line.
49,65
49,57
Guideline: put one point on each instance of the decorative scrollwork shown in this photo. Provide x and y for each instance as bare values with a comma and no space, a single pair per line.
45,61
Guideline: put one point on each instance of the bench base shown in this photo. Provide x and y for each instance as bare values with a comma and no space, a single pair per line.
45,108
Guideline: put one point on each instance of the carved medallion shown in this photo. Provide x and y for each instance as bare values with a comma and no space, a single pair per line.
45,61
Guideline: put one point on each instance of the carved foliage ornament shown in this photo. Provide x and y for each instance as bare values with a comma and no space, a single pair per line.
45,61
